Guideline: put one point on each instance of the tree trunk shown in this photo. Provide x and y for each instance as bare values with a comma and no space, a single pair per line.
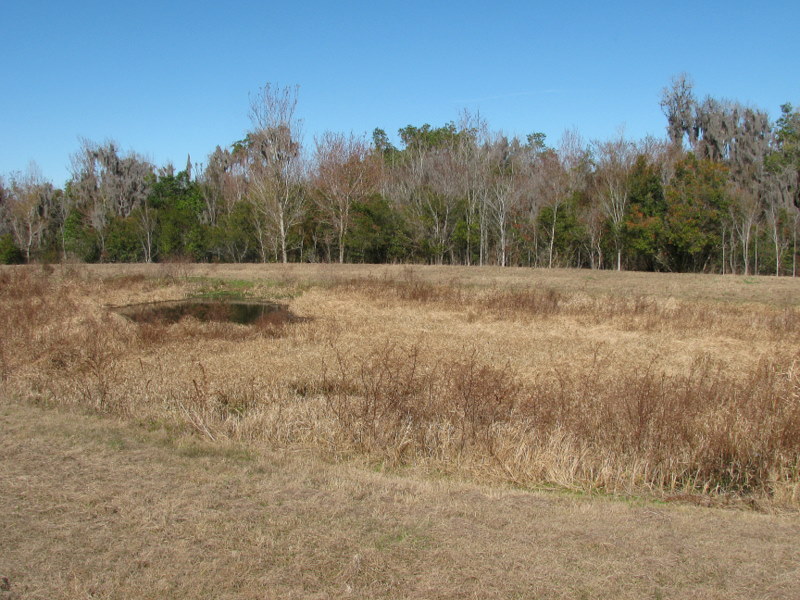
282,229
776,240
552,237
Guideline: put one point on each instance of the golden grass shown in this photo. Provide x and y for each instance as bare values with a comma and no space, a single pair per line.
666,385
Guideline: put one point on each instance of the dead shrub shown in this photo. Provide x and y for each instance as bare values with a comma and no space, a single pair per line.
395,402
273,323
124,282
702,432
152,334
22,282
529,303
409,288
175,269
479,397
215,410
99,346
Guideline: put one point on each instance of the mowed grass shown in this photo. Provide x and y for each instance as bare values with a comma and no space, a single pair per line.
628,384
94,507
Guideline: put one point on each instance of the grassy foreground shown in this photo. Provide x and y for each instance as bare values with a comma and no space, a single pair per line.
97,508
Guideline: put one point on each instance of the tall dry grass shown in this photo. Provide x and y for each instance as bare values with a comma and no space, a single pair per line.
360,380
612,429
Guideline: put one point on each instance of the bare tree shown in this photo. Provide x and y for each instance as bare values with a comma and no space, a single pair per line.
552,188
735,134
425,181
615,159
5,200
275,163
740,137
223,184
431,200
780,211
212,183
593,219
27,205
559,175
745,210
346,171
508,171
471,166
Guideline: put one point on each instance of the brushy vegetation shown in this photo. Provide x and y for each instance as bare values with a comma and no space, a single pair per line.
375,374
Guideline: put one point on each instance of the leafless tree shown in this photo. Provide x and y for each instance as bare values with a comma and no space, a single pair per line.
593,219
423,183
27,207
212,181
780,211
551,186
745,210
346,171
472,170
508,174
275,163
558,175
614,161
740,137
5,199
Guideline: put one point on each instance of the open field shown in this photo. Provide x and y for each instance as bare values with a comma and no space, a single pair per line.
429,381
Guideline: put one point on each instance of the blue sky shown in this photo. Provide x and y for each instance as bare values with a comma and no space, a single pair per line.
167,79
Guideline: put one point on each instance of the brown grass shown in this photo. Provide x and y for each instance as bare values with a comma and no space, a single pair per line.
551,381
96,508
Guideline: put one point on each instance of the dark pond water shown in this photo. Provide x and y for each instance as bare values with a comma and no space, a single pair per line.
243,312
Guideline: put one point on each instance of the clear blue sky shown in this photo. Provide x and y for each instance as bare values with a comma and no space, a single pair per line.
167,79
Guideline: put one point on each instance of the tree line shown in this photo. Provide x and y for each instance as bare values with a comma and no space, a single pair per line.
720,193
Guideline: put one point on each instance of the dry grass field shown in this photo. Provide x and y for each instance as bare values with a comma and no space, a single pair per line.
474,399
97,508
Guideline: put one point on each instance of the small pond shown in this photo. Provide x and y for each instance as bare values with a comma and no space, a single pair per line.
245,312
